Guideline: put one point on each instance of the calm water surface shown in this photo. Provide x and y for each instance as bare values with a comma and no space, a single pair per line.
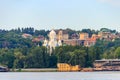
60,76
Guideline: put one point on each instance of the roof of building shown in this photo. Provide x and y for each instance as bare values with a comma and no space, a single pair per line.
107,60
63,31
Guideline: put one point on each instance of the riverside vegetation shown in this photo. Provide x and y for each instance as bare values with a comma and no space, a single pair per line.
18,52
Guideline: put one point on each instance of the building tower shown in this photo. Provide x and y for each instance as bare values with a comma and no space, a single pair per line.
52,43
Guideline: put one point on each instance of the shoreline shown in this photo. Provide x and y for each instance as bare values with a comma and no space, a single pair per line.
35,70
54,70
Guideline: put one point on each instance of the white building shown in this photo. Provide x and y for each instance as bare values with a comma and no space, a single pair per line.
52,42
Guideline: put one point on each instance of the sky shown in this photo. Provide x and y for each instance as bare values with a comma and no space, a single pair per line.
60,14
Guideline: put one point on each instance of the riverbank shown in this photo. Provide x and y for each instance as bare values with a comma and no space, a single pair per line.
35,70
56,70
48,70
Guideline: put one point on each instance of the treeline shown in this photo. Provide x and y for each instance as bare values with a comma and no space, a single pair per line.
110,49
18,52
13,38
38,57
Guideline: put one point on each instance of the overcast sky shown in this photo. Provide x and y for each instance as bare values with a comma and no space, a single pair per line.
48,14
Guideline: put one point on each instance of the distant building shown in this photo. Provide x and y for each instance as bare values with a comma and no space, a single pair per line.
104,34
91,41
95,36
38,39
84,36
25,35
62,35
52,42
73,42
74,36
107,36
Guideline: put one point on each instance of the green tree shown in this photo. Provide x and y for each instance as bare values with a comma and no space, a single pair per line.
52,61
78,58
38,58
19,60
117,52
6,57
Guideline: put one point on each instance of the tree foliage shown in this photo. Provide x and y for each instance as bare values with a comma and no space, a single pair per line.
18,52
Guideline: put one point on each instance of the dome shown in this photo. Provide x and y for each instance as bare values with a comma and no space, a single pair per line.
45,43
52,33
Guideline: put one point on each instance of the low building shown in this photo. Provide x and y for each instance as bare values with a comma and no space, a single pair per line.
73,42
74,36
25,35
38,39
67,67
104,34
84,36
91,41
107,65
62,34
107,36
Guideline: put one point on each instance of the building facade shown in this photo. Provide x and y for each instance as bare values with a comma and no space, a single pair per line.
73,42
91,41
62,35
52,42
84,36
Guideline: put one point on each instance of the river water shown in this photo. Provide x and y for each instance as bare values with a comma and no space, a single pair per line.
60,76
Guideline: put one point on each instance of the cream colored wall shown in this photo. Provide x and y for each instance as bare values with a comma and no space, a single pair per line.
83,36
61,36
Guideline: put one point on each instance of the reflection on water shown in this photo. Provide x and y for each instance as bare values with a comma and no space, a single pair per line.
60,76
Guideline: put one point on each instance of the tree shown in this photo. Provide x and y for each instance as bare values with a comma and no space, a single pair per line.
52,61
117,52
109,54
98,52
6,57
19,60
38,58
87,58
79,58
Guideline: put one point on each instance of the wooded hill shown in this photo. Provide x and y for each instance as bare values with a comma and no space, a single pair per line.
19,52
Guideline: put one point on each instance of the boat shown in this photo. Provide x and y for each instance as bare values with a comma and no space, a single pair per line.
64,67
107,65
3,69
